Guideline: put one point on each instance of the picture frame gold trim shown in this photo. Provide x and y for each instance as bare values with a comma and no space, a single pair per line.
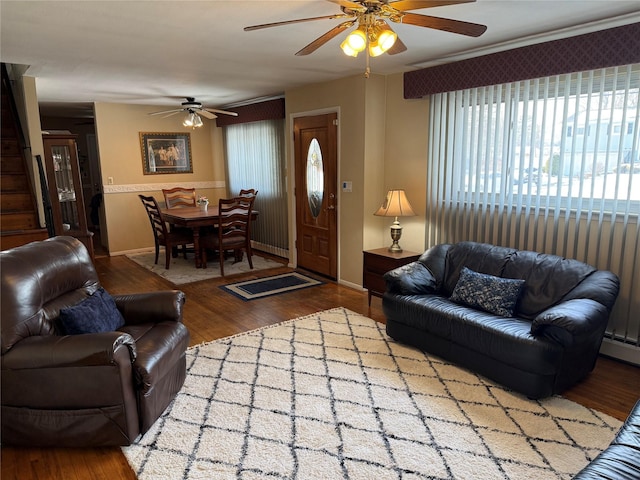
165,152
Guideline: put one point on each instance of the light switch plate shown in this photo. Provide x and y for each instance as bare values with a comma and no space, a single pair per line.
346,186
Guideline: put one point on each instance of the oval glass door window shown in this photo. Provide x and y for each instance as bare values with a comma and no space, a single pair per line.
315,178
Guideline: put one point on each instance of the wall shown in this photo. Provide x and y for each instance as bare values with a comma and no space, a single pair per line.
382,145
117,131
406,142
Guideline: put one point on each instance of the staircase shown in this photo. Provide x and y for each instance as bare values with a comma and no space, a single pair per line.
19,222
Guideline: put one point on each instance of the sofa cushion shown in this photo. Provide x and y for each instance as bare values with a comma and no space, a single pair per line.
479,257
549,278
96,313
487,292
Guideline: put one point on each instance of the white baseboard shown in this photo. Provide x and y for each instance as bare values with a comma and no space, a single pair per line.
621,351
132,252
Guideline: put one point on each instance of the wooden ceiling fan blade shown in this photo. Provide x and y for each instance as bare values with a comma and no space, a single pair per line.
318,42
205,114
172,111
445,24
215,110
404,5
289,22
398,47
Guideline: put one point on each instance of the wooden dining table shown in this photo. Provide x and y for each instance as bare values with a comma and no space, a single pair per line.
195,218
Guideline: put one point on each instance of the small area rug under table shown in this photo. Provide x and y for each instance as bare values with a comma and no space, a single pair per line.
183,271
268,286
331,396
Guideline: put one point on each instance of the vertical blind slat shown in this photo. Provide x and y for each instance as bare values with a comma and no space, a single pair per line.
255,159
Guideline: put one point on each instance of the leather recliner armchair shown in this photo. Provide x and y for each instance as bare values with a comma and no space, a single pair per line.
91,389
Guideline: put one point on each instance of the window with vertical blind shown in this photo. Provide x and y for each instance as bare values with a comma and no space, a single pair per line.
255,159
549,164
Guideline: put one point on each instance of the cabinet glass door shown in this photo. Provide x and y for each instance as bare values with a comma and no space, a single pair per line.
64,185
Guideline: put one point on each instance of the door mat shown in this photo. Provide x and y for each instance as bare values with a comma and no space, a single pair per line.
268,286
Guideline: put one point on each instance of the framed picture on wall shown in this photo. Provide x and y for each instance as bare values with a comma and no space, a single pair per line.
166,153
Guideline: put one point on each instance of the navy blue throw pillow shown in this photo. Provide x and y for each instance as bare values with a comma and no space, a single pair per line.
96,313
486,292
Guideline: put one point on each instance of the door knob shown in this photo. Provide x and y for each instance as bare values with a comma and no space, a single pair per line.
332,196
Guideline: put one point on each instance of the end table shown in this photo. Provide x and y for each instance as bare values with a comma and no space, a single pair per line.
379,261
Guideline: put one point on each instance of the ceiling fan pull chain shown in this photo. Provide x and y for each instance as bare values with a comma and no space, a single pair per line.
367,70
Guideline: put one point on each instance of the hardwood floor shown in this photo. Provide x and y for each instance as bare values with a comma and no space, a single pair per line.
613,387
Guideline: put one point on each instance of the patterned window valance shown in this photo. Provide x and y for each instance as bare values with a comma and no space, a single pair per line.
268,110
605,48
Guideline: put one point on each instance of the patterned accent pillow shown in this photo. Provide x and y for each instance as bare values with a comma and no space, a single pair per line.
486,292
96,313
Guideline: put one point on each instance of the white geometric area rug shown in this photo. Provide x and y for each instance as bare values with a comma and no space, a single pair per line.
183,271
330,396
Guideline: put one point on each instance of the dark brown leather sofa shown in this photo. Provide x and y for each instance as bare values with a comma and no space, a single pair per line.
546,344
91,389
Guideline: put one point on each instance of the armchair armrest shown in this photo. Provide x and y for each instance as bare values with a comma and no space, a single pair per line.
73,372
86,350
410,279
151,307
570,320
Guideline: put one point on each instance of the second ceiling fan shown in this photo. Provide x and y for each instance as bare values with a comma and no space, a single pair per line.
373,32
194,109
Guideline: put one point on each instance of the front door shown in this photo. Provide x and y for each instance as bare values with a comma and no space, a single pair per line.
316,159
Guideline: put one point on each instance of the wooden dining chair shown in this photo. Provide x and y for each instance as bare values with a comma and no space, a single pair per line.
250,192
233,233
162,235
179,197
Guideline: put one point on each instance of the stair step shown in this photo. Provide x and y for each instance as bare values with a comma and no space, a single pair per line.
9,147
18,221
11,164
13,183
13,239
13,202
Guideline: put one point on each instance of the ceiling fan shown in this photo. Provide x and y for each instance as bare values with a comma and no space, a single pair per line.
194,110
373,33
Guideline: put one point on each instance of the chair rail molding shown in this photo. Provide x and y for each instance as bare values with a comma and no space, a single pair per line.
151,187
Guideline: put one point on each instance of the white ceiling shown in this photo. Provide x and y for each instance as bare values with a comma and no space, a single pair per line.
158,52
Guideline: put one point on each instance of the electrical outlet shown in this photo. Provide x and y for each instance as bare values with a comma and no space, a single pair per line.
110,180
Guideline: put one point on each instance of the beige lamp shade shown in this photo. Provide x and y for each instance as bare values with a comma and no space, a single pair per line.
395,204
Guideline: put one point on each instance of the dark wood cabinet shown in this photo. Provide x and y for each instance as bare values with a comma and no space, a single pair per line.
65,188
379,261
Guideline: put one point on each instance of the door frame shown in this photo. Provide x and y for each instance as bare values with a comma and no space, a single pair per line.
291,174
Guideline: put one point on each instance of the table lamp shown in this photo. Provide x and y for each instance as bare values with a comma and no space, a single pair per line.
395,205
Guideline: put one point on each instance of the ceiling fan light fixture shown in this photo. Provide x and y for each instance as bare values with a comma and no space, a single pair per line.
188,120
381,39
346,48
192,120
355,42
387,38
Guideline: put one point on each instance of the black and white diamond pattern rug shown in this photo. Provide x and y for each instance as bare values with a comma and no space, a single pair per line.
330,396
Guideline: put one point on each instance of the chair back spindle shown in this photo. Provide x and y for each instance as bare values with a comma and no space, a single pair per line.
179,197
161,234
